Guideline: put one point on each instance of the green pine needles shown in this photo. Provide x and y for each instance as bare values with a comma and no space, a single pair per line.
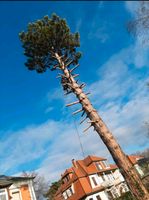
46,37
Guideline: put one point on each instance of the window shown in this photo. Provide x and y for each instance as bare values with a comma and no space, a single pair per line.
110,177
3,194
16,195
115,193
110,196
65,179
98,197
69,192
105,164
65,195
98,165
103,177
94,181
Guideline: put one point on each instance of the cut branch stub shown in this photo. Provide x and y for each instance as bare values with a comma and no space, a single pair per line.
76,75
87,128
71,104
83,113
82,85
87,93
71,70
83,120
69,92
78,111
69,63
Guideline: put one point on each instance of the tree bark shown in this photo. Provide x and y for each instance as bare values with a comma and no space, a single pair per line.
128,171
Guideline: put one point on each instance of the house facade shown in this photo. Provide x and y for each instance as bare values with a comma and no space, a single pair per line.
135,160
91,179
16,188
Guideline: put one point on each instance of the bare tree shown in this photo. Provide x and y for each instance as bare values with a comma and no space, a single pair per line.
39,183
49,44
139,25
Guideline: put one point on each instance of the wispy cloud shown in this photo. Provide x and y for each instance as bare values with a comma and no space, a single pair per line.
119,94
55,94
99,29
121,97
49,109
99,33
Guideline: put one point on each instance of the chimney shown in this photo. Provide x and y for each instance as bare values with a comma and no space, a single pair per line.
74,163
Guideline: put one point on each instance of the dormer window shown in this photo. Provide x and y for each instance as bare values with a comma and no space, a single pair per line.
98,165
105,164
65,179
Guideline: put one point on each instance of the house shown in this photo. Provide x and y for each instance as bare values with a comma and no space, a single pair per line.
91,179
16,188
136,160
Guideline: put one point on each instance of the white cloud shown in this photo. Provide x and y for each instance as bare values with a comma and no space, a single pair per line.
27,144
49,109
121,97
55,94
99,33
99,27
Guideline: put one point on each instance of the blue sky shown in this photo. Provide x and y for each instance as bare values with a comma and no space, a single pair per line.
37,130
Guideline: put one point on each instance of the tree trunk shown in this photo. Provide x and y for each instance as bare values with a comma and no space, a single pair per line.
131,176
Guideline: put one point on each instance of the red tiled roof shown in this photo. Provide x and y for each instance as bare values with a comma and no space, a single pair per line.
90,159
134,158
79,176
67,171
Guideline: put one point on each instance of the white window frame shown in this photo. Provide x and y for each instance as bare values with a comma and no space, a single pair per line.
105,164
99,166
95,176
65,195
4,192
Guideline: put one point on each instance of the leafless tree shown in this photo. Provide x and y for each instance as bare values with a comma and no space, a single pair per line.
39,183
139,24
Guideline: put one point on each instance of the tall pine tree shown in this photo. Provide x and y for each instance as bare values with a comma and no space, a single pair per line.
49,44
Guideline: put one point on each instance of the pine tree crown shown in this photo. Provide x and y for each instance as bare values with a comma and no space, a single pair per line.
46,37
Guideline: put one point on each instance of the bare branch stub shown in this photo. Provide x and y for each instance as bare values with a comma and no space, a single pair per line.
82,85
78,111
83,120
76,75
71,70
87,128
73,103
